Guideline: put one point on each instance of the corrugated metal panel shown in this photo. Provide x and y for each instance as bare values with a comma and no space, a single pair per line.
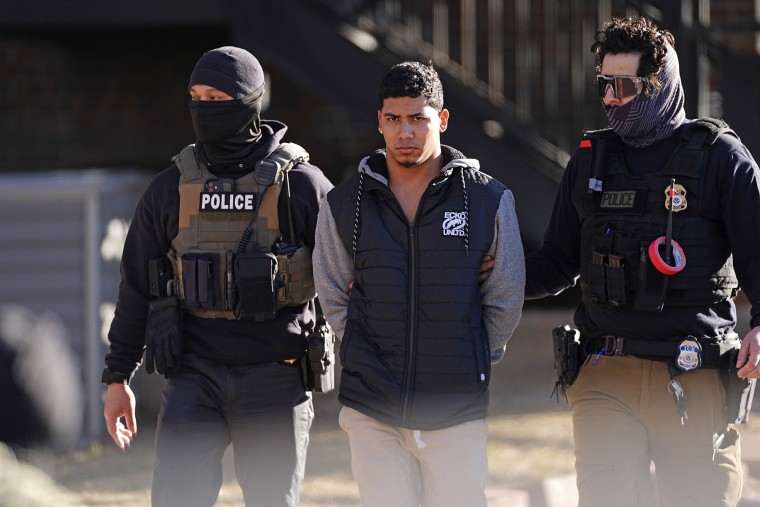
61,236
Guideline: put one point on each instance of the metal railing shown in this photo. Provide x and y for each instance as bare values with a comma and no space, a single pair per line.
531,59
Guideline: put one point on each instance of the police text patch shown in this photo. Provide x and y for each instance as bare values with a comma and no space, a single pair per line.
454,223
618,199
621,201
227,201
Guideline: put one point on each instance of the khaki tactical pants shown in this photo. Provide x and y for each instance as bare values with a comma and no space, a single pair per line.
625,417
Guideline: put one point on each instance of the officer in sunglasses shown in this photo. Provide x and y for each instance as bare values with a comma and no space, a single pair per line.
656,216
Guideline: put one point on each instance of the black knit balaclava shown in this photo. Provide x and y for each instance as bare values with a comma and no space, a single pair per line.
228,130
648,119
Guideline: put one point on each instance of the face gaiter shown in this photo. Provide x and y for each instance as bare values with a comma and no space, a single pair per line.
228,130
648,119
214,121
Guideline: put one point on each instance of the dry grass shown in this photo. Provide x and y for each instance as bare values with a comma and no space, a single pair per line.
530,440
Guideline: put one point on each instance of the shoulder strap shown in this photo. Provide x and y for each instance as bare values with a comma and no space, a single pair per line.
270,170
705,131
187,163
591,155
697,137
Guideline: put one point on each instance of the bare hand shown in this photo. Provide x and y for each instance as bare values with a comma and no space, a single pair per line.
120,402
486,268
748,360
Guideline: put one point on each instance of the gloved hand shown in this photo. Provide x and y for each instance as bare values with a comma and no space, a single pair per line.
163,336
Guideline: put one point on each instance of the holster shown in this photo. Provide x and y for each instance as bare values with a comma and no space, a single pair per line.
567,357
739,391
320,358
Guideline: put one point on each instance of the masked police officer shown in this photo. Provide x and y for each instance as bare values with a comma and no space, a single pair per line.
657,216
217,289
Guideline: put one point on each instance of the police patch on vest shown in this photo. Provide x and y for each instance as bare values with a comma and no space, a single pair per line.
454,223
679,197
630,201
618,199
689,354
227,201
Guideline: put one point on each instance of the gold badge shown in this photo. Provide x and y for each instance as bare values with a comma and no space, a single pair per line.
679,198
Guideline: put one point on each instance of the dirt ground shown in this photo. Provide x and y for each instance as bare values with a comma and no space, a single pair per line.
530,443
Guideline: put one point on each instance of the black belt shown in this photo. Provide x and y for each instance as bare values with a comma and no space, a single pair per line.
610,345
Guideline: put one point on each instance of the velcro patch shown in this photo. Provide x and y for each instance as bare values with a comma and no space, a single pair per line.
622,201
227,201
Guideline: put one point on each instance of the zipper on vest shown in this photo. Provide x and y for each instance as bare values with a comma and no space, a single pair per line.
408,383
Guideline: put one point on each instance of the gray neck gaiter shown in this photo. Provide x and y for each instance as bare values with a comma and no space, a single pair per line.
648,119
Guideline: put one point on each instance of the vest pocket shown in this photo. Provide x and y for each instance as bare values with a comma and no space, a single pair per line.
651,286
256,286
199,279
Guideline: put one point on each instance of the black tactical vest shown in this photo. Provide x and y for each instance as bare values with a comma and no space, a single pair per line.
622,215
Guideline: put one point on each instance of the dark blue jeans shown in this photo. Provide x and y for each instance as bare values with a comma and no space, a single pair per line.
261,409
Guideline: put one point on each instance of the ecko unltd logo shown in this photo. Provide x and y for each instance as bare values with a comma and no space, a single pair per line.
454,223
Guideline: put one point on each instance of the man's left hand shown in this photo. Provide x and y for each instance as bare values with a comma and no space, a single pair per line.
748,360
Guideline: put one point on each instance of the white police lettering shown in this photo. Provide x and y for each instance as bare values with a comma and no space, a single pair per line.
454,223
227,201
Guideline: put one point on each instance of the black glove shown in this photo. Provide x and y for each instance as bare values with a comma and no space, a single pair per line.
163,336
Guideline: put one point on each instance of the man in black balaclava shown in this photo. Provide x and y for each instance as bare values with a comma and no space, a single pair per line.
228,129
203,294
657,218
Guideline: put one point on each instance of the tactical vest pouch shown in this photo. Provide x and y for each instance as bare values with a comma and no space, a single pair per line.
622,258
739,391
597,278
296,277
199,279
159,275
652,286
602,244
256,284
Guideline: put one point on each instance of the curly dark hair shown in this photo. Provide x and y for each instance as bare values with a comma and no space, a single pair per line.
412,79
626,35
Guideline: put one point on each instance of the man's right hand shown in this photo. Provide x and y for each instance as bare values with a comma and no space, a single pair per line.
486,268
120,402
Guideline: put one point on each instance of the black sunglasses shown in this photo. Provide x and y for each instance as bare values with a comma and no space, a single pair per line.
622,86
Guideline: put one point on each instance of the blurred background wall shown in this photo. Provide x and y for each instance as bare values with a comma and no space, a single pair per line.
93,102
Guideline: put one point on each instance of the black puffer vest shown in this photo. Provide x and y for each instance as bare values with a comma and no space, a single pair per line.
415,352
623,214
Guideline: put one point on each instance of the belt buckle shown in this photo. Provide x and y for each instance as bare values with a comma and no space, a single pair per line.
613,345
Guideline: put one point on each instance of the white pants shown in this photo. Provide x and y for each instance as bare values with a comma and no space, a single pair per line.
410,468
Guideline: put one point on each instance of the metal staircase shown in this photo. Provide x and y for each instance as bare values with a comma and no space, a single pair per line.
518,74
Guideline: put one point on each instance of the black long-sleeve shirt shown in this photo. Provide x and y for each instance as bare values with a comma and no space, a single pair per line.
731,184
229,342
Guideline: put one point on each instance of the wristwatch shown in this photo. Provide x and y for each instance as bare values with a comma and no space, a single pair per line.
111,377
